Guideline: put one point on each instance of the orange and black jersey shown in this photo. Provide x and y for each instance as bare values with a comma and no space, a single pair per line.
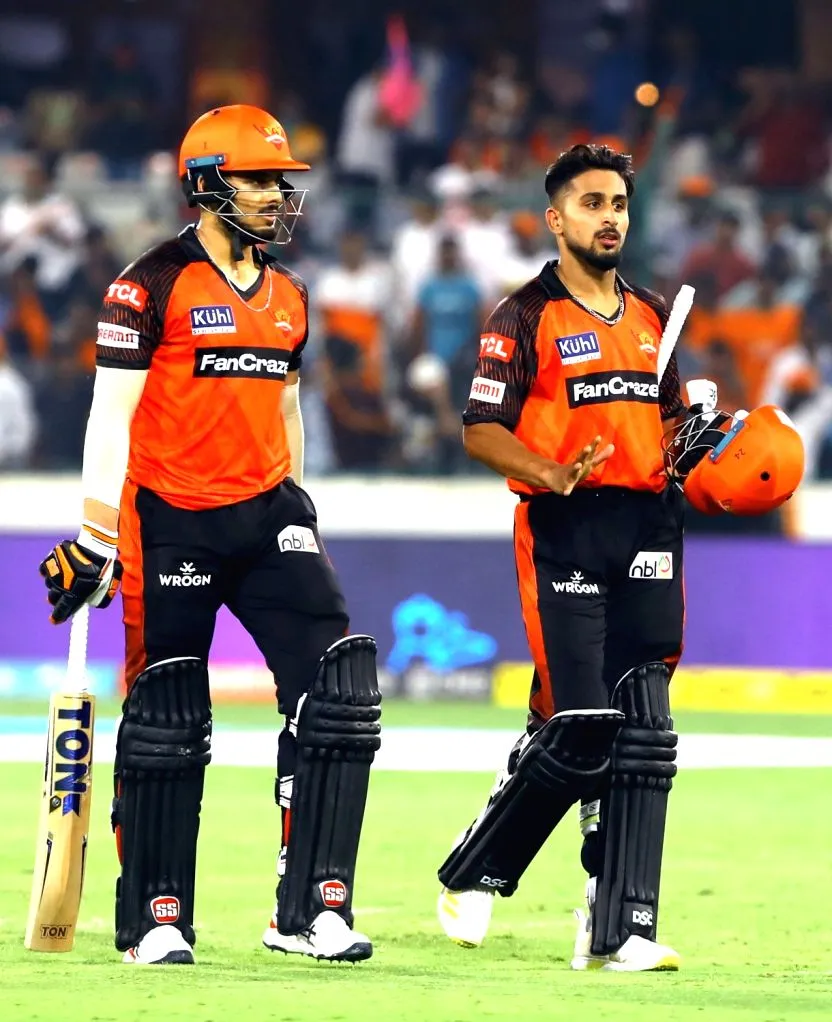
208,429
556,376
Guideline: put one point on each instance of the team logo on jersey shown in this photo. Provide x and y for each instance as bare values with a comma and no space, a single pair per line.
490,391
601,388
578,348
111,335
125,292
647,343
282,320
242,363
497,346
213,319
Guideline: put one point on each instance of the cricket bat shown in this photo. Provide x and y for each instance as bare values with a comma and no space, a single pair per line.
61,851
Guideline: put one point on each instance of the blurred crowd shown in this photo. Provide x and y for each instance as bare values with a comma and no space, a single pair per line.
425,208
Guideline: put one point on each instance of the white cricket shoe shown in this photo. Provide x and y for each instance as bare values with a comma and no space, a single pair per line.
636,954
328,939
465,915
163,945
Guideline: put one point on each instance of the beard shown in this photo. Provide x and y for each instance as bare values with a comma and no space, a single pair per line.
592,258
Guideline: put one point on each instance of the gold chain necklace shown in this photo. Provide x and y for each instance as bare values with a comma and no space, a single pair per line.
610,321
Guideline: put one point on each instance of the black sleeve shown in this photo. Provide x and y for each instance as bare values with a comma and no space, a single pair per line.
507,363
296,358
132,314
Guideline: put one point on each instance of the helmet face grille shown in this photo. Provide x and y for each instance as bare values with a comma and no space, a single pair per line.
701,434
219,197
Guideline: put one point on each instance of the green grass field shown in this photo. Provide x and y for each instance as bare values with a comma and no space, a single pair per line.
744,868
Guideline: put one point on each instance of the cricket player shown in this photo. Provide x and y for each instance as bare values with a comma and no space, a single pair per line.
192,474
567,405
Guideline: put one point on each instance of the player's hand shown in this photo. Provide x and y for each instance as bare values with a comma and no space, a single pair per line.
564,478
75,576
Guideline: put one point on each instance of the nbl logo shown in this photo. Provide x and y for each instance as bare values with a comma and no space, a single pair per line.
652,565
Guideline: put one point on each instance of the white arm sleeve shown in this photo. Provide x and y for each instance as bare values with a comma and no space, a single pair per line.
290,402
107,443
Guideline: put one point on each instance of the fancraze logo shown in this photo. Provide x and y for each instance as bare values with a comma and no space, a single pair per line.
601,388
242,363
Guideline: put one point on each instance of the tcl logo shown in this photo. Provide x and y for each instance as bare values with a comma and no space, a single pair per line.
165,909
333,893
497,346
125,292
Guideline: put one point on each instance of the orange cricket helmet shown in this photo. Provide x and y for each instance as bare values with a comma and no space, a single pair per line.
237,138
745,464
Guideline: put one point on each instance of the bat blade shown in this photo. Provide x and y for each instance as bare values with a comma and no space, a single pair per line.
60,857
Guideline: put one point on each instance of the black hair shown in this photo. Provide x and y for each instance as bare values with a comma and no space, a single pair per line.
581,158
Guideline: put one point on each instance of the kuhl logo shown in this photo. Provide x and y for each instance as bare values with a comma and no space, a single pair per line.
187,577
602,388
578,348
333,893
213,319
242,363
72,748
576,586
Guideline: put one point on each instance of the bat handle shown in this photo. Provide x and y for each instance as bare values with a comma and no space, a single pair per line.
76,665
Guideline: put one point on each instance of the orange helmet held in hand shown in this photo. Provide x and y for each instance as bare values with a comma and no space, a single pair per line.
745,464
238,139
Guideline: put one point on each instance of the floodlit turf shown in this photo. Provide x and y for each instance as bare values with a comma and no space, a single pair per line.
744,870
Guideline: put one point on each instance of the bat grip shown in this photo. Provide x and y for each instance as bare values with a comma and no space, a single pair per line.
76,665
